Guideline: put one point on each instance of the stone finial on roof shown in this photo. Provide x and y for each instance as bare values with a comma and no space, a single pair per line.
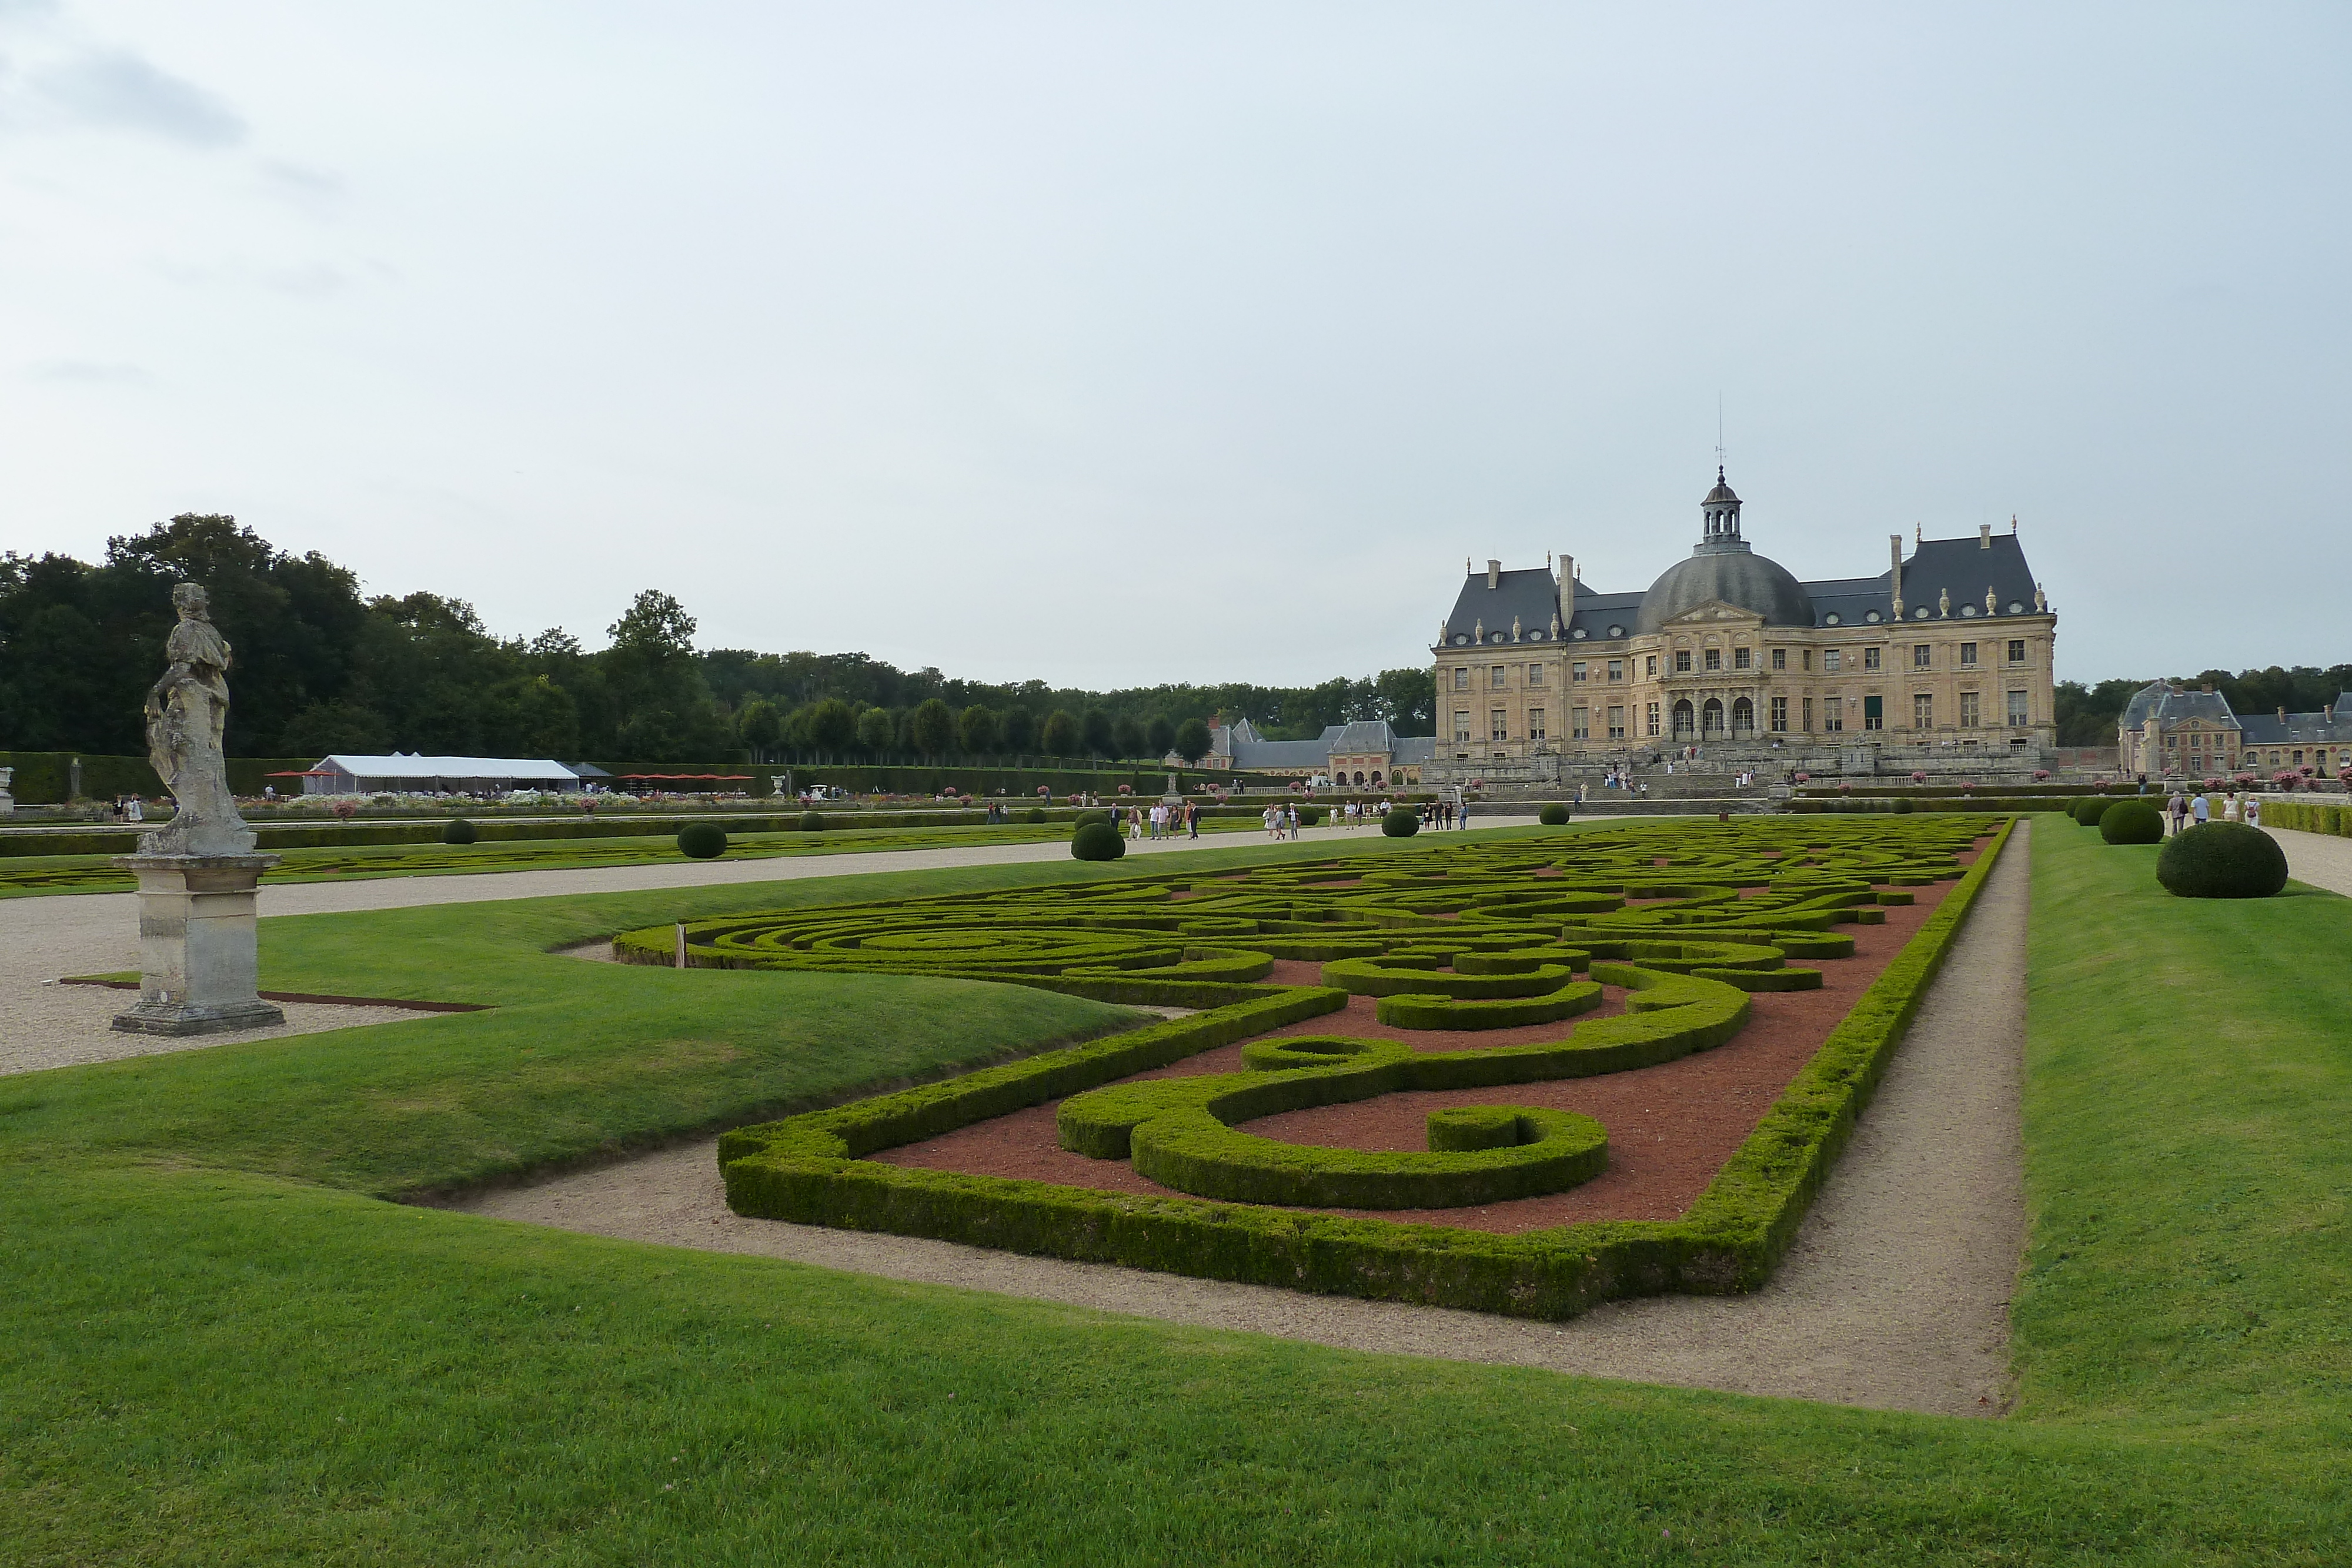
2041,600
1478,630
1992,599
1514,628
1944,604
1555,625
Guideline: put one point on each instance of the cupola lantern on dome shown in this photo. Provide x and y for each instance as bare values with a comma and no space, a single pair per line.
1720,510
1723,570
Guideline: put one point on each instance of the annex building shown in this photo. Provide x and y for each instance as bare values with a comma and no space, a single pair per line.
1951,646
2169,730
1367,752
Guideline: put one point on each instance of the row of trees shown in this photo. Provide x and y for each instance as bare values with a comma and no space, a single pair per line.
834,730
322,667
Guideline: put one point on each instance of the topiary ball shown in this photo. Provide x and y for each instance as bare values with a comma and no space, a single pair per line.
1309,815
1090,819
812,822
1096,841
702,840
2091,809
2133,821
1402,822
1553,815
1036,813
458,830
2222,860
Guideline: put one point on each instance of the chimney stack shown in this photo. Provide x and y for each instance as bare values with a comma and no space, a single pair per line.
1567,591
1894,550
1494,573
1984,536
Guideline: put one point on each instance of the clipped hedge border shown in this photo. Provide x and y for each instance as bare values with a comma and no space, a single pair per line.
1411,1011
2307,816
807,1169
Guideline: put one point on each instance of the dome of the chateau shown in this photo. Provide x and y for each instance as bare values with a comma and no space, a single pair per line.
1722,568
1737,578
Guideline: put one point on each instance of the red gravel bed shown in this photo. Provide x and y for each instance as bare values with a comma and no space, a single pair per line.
1671,1127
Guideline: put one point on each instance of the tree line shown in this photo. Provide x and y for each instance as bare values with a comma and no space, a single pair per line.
322,667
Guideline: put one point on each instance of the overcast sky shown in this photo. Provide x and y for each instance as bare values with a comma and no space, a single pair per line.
1115,344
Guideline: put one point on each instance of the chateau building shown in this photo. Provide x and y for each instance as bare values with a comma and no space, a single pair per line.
2168,730
1952,646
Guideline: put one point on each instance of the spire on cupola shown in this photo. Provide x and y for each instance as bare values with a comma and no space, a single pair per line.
1720,512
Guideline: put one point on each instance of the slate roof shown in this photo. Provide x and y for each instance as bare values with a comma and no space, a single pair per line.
1963,567
1360,736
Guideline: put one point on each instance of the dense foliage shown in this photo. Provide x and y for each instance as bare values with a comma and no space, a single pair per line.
322,667
2222,860
702,840
1096,841
2131,822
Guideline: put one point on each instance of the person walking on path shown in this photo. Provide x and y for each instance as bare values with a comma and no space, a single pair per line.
2229,807
2178,807
2200,810
1192,821
2253,812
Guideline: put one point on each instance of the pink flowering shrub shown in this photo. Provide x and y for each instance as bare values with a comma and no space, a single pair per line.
2041,775
1918,778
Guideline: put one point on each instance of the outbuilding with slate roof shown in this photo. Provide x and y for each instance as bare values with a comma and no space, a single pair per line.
1952,646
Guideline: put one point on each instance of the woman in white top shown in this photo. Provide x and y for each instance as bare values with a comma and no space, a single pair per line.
2229,807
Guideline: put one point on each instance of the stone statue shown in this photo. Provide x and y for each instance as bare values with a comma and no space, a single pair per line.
1944,604
187,710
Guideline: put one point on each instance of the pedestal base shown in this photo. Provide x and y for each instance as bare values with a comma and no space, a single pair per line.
199,970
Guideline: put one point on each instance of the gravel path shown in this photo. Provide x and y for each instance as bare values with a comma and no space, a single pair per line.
2322,860
45,939
1896,1295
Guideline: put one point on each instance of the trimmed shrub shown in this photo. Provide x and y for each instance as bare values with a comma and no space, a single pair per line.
2091,809
1553,815
1402,822
702,840
1309,815
812,822
1097,840
458,830
2132,821
1092,819
1036,813
2222,860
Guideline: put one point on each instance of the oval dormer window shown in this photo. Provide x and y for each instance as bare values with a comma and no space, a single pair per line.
1921,614
1580,633
1970,611
2016,607
1534,636
1493,636
1616,630
1461,638
1872,618
1834,619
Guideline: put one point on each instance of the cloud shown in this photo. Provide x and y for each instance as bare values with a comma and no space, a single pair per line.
314,191
117,89
88,373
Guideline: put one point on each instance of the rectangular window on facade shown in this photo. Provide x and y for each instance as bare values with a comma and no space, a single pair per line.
1809,716
1580,726
2016,711
1922,655
1498,726
1534,724
1870,658
1681,660
1616,724
1650,666
1616,671
1715,658
1923,710
1741,659
2017,650
1873,713
1462,724
1808,658
1576,674
1781,713
1832,660
1968,654
1834,714
1969,717
1779,658
1460,677
1535,674
1498,677
1650,718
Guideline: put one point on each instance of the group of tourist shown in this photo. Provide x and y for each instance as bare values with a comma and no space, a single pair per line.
2190,807
1162,820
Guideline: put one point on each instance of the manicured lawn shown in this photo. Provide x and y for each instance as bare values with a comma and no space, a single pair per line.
219,1349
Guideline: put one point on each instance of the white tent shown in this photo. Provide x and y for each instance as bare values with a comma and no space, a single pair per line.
404,773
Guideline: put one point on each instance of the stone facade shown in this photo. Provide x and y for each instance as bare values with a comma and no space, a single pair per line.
1950,649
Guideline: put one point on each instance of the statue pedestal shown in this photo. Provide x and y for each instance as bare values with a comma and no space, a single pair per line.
199,970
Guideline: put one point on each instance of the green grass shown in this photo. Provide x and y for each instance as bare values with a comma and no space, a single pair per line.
220,1348
35,875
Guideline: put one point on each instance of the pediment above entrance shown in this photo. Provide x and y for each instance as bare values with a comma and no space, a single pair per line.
1714,613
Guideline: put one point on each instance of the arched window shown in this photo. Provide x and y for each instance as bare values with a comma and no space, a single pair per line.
1376,779
1682,719
1711,716
1359,778
1743,717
